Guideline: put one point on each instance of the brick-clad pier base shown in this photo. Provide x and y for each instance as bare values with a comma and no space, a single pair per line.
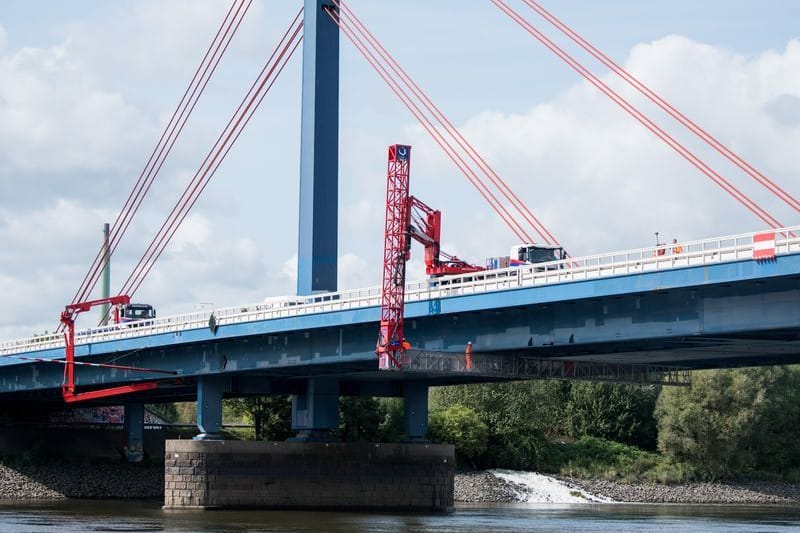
308,475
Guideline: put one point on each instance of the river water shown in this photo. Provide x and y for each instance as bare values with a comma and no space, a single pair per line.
128,517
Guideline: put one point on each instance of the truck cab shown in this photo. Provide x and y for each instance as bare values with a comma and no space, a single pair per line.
526,254
136,313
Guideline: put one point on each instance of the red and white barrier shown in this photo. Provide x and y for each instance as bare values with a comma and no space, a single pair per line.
764,246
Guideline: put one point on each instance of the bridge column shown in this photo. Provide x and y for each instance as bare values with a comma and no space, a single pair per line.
315,414
134,429
319,152
209,407
415,412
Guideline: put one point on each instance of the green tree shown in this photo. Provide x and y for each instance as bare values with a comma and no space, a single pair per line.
517,415
462,427
392,426
271,416
359,419
622,413
168,412
535,406
734,421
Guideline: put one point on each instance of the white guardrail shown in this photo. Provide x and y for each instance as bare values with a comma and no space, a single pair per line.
704,252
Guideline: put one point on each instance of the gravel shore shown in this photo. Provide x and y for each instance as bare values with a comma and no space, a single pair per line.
91,481
136,481
483,486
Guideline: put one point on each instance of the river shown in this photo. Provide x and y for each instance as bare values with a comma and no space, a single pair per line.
129,517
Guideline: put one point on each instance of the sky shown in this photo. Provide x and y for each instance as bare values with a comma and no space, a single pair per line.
86,87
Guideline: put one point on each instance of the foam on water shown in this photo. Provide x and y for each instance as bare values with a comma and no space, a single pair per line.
537,488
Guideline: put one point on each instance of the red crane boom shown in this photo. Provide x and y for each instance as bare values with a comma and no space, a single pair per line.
407,218
68,320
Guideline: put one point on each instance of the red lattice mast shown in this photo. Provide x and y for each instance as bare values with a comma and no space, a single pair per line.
395,253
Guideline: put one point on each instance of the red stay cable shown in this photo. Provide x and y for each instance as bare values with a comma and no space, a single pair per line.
675,145
431,129
438,137
224,142
504,189
127,212
144,272
210,174
666,106
194,102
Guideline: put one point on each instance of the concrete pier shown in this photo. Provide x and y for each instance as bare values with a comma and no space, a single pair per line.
308,475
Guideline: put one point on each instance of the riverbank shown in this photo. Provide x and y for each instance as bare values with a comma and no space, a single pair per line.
110,480
509,486
101,481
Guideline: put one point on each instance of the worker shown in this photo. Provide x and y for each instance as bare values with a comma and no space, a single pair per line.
661,250
468,356
406,345
676,248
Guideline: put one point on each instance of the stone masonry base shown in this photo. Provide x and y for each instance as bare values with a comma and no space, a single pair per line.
303,475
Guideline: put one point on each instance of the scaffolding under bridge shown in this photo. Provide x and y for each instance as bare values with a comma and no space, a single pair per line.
516,366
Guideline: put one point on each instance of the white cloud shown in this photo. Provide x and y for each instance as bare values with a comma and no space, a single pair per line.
601,182
54,120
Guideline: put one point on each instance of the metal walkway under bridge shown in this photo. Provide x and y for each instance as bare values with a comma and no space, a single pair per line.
712,305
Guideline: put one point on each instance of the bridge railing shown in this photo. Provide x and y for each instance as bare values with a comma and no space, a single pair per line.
641,260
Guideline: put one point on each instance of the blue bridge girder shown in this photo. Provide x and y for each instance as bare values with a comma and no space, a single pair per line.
703,309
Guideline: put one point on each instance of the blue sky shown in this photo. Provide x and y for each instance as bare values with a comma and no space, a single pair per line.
86,87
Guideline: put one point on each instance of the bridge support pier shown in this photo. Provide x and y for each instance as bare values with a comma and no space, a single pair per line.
134,429
209,407
415,412
308,475
315,413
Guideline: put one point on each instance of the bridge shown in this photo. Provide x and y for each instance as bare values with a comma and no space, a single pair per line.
643,316
712,305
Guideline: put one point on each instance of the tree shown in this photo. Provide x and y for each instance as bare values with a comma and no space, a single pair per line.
734,421
167,412
271,415
359,419
462,427
517,416
622,413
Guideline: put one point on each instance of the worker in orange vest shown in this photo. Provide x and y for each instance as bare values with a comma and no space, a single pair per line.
468,355
676,248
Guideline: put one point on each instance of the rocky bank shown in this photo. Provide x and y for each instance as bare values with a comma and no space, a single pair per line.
89,481
484,486
105,480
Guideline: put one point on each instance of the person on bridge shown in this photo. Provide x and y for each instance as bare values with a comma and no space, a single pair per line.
676,248
468,355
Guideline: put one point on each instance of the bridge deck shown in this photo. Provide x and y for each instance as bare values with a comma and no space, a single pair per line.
712,305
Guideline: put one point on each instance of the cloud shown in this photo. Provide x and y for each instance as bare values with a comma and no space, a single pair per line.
601,181
55,121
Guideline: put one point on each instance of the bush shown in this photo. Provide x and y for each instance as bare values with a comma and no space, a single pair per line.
522,451
596,457
623,413
462,427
